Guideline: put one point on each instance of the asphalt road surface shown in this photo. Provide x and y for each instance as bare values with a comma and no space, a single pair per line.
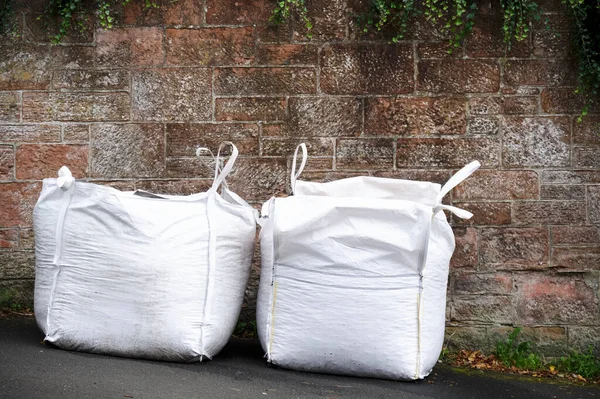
30,369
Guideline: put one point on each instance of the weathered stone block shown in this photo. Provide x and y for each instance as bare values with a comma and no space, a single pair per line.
576,258
539,72
7,162
463,337
184,138
271,81
446,153
552,44
174,187
285,147
367,69
259,178
486,40
203,168
570,177
171,94
575,235
588,131
562,192
76,133
514,248
458,76
324,116
235,12
84,80
17,265
486,105
37,29
422,115
39,161
593,204
536,142
564,298
210,46
129,47
184,13
287,54
520,105
485,213
586,158
562,101
10,106
250,109
129,150
26,239
18,200
549,212
483,283
483,308
29,133
584,337
434,176
78,107
359,154
24,66
71,57
498,185
483,126
466,252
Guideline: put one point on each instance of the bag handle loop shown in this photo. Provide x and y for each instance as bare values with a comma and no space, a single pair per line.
65,178
221,174
295,175
454,181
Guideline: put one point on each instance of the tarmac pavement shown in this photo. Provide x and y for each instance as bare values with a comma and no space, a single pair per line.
30,369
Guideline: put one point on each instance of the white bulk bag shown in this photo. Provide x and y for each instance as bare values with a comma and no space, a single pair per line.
153,276
354,275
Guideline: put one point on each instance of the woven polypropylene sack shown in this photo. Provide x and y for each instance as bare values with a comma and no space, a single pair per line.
354,276
146,276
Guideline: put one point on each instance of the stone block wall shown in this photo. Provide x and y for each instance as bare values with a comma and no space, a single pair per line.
128,107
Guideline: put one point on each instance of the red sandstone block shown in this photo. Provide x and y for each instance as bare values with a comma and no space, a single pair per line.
514,248
18,200
9,239
367,69
552,299
250,109
549,212
587,131
76,133
498,185
466,253
129,47
575,235
210,46
287,54
184,12
271,81
576,258
563,101
520,105
486,41
485,213
420,115
72,57
365,154
330,19
434,176
458,76
39,161
446,153
593,204
547,43
174,187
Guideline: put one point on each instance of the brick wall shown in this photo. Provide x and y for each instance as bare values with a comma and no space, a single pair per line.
127,107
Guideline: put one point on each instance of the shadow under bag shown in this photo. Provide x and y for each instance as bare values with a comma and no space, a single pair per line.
147,276
354,275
